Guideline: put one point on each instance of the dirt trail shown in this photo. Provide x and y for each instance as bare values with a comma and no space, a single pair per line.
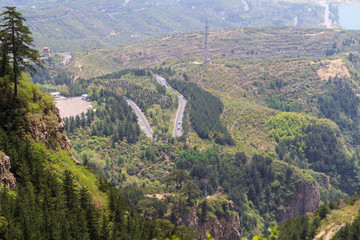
329,232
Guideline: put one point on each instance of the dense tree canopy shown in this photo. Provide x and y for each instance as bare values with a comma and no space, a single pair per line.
205,111
312,143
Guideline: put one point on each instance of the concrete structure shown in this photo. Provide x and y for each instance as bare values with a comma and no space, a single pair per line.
55,94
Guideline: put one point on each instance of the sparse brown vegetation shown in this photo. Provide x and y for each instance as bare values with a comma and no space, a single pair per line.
233,44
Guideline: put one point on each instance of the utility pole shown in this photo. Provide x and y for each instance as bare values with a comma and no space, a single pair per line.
205,192
206,49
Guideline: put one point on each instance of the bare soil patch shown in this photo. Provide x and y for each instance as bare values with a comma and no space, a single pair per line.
333,68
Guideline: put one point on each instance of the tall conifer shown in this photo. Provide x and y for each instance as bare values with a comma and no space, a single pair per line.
17,44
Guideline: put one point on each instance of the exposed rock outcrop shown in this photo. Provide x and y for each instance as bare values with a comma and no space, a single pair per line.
324,181
306,199
49,129
355,59
6,177
226,225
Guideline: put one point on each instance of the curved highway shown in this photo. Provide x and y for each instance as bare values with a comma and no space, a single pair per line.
163,81
246,5
178,128
144,125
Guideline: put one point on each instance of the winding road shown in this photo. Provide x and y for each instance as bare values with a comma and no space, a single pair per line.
144,125
178,131
178,128
246,5
163,81
67,57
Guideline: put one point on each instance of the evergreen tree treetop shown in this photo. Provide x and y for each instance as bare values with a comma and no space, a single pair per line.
16,45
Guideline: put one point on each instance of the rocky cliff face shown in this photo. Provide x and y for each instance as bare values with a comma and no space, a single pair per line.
225,226
324,181
49,129
306,199
6,177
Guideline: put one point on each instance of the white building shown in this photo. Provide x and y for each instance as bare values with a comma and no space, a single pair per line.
55,94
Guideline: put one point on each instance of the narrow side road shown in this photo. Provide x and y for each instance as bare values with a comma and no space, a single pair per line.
144,125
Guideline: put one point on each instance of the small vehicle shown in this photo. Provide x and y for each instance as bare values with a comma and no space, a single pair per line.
179,122
178,128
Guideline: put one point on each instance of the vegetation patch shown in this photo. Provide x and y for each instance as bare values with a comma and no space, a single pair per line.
205,111
308,142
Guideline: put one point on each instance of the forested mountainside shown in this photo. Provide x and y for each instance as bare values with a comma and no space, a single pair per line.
46,194
269,134
79,25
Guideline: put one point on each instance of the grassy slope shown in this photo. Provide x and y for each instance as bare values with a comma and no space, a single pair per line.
346,214
233,44
245,86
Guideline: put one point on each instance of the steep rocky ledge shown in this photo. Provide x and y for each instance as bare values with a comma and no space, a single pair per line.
222,223
306,199
48,128
6,177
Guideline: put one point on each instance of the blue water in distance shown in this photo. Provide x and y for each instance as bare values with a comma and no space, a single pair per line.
349,17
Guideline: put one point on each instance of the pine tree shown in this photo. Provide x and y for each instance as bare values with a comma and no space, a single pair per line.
105,231
77,121
69,191
26,205
90,213
4,64
17,44
204,210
